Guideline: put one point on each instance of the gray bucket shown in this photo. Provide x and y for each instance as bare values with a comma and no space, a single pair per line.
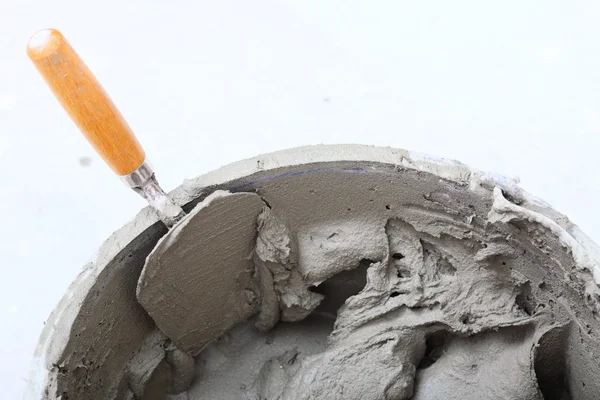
406,276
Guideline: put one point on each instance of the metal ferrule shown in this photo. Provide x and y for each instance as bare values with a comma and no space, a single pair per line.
140,176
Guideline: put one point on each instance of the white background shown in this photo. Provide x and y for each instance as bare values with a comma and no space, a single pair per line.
512,87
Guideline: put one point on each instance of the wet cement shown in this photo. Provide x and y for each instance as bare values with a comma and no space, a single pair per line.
430,280
457,292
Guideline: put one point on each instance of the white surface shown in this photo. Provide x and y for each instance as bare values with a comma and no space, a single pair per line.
512,88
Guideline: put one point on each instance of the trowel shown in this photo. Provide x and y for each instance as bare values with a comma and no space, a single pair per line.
174,277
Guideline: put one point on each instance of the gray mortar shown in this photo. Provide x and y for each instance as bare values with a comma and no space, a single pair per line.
454,262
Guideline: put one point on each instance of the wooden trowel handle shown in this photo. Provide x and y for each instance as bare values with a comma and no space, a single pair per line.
86,102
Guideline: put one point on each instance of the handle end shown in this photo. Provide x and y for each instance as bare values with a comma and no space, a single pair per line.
44,43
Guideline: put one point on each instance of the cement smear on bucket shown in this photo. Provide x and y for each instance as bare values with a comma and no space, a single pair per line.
452,305
371,274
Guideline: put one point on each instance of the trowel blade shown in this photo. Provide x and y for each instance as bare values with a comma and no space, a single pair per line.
197,282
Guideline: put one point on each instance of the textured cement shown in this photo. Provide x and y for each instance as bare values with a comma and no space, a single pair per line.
435,279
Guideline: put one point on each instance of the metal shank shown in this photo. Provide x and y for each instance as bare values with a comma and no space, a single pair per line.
143,182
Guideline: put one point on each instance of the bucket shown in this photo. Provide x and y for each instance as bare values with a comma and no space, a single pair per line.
368,273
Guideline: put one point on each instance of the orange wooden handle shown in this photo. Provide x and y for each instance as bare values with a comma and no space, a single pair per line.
86,102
